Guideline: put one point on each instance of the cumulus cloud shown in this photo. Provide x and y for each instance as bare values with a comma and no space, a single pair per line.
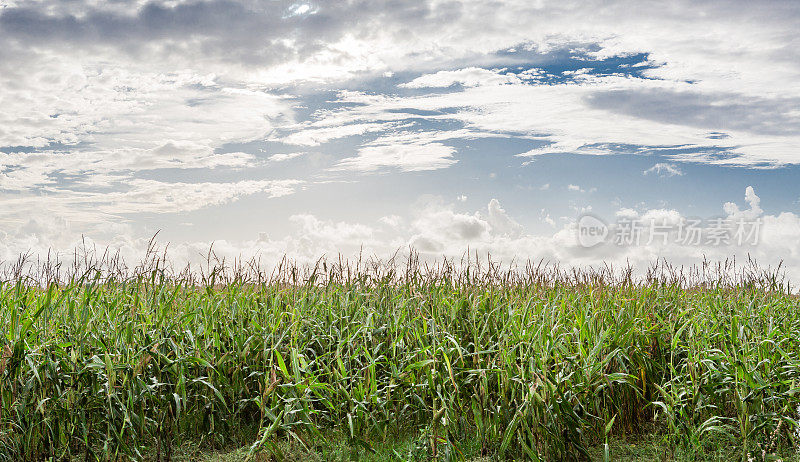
626,213
546,218
317,230
733,211
664,170
438,230
500,222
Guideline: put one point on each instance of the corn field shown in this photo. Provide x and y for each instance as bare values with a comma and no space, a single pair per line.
104,362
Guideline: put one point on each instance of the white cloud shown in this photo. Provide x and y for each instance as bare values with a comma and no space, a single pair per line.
284,157
95,213
97,97
500,222
600,114
393,221
468,77
545,217
437,230
310,135
159,197
733,211
406,157
664,170
661,217
300,9
626,213
116,121
328,231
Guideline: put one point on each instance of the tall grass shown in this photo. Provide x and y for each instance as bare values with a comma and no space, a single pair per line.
105,362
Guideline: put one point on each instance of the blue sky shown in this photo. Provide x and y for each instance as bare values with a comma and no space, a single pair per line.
317,128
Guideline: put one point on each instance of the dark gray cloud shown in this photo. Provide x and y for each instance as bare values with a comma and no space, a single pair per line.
774,116
250,31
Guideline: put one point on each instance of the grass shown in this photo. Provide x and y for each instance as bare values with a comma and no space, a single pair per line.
643,448
378,361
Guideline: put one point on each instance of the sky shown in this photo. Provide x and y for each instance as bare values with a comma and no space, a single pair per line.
517,129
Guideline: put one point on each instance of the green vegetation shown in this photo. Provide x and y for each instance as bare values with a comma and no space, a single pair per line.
382,362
